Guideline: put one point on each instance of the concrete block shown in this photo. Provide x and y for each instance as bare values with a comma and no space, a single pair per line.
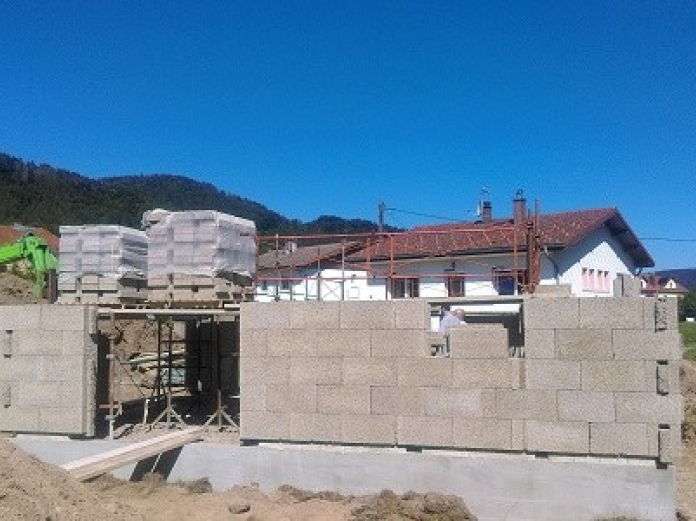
68,369
664,442
263,426
343,399
482,433
263,370
61,420
76,343
422,431
411,314
315,315
35,394
472,341
291,398
611,313
5,394
485,373
551,313
648,408
626,285
369,371
25,317
19,419
317,370
526,404
253,342
6,343
349,343
646,345
295,342
424,372
553,290
400,343
552,374
558,437
660,314
18,368
253,398
314,427
38,342
367,315
663,374
466,403
265,315
586,406
539,343
619,439
589,344
519,435
63,318
368,429
401,401
617,375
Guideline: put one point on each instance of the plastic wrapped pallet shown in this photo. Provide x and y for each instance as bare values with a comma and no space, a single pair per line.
102,262
199,254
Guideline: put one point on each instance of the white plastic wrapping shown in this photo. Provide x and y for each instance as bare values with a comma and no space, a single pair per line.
105,250
200,242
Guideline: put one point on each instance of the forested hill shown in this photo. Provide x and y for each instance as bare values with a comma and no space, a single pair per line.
42,195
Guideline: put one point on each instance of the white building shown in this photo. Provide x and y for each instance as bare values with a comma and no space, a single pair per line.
584,249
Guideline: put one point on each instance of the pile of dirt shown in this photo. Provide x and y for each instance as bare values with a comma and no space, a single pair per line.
16,290
32,490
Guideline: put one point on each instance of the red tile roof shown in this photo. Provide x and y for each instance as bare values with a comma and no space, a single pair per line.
558,231
306,255
12,233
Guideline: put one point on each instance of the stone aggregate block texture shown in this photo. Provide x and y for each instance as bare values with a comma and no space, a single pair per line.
424,372
586,406
619,439
314,315
402,401
369,429
369,371
539,343
344,399
479,341
367,315
483,433
50,371
551,313
588,344
660,314
413,314
265,315
611,313
558,437
633,344
314,427
648,408
465,403
527,404
485,373
410,431
552,374
618,375
400,343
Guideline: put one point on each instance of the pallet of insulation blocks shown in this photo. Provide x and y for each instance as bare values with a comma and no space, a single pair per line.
199,257
102,264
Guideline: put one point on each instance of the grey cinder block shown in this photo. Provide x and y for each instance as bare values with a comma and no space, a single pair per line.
315,315
617,375
648,408
265,315
253,397
64,318
485,373
578,344
6,343
482,433
611,313
344,399
25,317
547,313
619,439
291,398
268,370
527,404
294,342
253,342
411,314
552,374
348,343
402,401
665,445
663,376
369,371
369,429
314,427
660,314
431,371
19,419
586,406
465,403
539,343
472,341
400,343
61,420
317,370
424,431
263,426
558,437
367,315
631,344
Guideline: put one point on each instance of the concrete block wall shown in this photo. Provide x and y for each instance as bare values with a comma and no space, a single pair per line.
597,377
47,369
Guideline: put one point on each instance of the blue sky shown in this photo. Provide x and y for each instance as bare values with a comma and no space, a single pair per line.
328,107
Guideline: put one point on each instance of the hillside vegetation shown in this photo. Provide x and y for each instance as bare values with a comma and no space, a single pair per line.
43,195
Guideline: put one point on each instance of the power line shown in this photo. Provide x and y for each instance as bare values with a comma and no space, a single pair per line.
665,239
424,215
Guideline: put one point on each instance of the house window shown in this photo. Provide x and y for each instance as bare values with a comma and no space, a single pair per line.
285,285
505,281
405,288
456,286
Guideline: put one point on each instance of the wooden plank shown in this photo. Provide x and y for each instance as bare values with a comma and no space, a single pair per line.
92,466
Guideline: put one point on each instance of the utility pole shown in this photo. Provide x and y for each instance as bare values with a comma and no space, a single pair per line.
381,208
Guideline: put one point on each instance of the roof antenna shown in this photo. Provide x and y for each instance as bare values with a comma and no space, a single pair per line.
484,196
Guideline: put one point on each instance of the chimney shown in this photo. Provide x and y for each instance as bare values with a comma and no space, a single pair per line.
519,206
486,211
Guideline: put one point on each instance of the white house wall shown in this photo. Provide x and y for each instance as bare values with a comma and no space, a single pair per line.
598,251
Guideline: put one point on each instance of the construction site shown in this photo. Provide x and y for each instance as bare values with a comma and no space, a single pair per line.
195,349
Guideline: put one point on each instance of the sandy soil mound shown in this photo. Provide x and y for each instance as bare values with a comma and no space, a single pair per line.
15,290
32,490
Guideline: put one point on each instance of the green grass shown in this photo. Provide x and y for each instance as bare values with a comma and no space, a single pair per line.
688,334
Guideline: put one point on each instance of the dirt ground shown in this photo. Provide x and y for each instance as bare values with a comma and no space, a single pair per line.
32,490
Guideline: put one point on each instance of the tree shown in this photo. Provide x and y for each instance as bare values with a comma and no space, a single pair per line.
687,305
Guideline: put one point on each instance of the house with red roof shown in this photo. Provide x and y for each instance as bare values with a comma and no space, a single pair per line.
584,250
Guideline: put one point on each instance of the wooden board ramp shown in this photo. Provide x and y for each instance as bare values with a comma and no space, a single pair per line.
92,466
